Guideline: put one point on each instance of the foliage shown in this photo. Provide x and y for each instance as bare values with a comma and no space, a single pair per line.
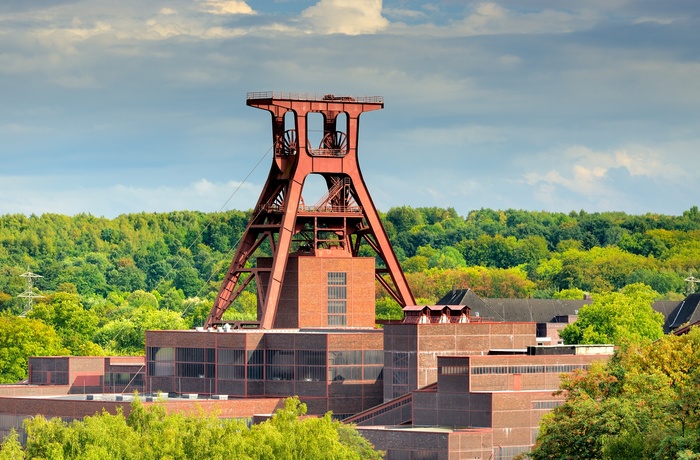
642,404
108,280
152,433
387,308
21,338
126,332
73,324
619,318
11,449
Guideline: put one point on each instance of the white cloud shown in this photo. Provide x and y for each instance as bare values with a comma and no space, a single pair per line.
23,195
349,17
490,18
226,7
587,172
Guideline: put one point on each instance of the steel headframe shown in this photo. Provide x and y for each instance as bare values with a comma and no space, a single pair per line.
341,220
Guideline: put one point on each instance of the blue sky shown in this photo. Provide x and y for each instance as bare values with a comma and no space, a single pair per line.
120,107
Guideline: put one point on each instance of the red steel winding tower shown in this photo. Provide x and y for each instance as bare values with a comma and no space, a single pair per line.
307,240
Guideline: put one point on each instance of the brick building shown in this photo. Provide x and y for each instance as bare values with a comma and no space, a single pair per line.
484,407
330,370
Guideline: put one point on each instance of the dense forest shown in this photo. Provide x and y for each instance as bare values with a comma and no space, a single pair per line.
105,281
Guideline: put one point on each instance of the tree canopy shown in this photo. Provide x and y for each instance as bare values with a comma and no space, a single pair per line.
105,281
618,318
642,404
152,433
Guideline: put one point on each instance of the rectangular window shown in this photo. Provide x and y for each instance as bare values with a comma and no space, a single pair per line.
345,373
161,361
231,372
280,364
374,356
400,377
337,298
231,356
311,365
344,358
189,355
256,368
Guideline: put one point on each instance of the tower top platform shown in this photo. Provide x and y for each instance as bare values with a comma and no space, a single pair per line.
313,97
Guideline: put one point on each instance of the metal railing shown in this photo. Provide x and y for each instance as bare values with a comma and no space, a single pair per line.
327,152
353,209
315,97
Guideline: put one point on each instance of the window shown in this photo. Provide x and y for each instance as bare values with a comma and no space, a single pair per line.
256,368
280,364
337,298
374,356
190,362
345,373
454,370
399,377
344,358
311,365
528,369
161,361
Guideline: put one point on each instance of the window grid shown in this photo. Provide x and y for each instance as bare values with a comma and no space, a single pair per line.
337,298
532,369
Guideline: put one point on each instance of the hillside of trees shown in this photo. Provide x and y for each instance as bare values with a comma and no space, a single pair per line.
105,281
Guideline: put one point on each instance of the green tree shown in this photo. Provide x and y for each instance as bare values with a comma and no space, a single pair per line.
152,433
71,321
245,308
21,338
187,279
404,218
620,318
642,404
570,294
11,449
127,334
387,308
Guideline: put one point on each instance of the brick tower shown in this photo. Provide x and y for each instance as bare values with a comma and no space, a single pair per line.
315,277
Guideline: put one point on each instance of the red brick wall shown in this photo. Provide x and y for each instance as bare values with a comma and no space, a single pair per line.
304,294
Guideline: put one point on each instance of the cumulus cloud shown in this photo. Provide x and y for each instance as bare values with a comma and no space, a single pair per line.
490,18
226,7
349,17
590,174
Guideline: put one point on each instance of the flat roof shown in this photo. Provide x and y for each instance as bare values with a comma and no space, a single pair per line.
275,331
423,429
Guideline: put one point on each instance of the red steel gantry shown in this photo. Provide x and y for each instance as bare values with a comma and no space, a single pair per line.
337,224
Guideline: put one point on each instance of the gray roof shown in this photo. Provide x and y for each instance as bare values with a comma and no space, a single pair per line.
686,311
536,310
546,310
522,310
